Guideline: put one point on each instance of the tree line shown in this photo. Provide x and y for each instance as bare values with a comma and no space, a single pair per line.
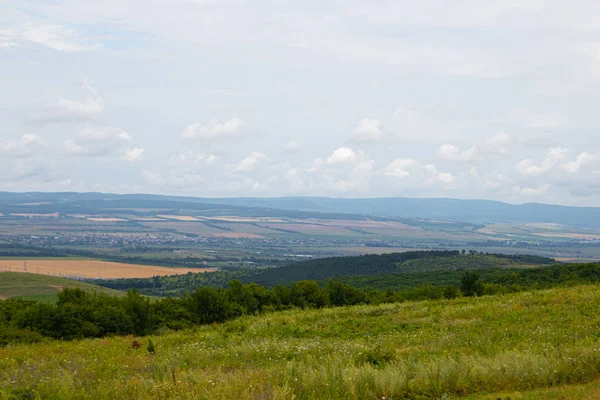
79,314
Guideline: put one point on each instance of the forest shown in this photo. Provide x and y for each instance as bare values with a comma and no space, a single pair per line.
409,269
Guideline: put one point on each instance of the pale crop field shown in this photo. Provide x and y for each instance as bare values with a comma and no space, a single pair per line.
91,268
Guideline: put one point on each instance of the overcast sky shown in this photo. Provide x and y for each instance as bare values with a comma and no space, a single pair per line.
434,98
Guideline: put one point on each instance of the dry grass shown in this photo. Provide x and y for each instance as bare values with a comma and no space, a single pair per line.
33,215
178,217
236,235
92,268
100,219
242,219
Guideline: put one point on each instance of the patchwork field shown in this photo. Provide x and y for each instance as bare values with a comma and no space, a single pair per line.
91,268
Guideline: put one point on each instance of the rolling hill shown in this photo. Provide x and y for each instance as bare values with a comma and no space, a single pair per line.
533,345
471,211
42,287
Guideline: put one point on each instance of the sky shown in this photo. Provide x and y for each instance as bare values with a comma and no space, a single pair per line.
465,99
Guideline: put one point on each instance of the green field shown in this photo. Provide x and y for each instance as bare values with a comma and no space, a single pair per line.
41,287
531,345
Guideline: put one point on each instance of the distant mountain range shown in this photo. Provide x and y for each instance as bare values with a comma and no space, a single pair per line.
472,211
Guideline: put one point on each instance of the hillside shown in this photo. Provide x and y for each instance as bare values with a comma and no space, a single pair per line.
472,211
41,287
412,268
536,343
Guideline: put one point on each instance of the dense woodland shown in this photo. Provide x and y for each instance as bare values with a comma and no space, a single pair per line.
410,269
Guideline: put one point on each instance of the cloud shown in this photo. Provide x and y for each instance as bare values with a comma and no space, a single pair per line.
343,155
7,39
399,168
133,154
530,168
437,176
583,159
491,148
66,110
98,141
292,146
185,181
367,130
249,163
52,36
215,130
189,158
533,191
56,37
454,153
28,145
358,179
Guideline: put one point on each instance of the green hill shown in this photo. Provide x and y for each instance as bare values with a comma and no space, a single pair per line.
412,268
524,345
41,287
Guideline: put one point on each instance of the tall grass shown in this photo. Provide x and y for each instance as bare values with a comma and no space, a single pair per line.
424,350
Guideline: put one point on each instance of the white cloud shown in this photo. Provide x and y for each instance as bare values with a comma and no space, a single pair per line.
189,158
343,155
7,39
215,130
454,153
491,148
399,168
98,141
67,110
367,130
52,36
404,112
437,176
292,146
530,168
358,178
533,191
73,147
56,37
249,163
185,181
583,159
27,146
133,154
495,182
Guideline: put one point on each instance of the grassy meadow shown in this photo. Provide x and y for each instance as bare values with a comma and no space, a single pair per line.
42,288
531,345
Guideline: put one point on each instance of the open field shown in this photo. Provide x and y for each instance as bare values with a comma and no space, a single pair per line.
532,345
586,391
91,268
41,287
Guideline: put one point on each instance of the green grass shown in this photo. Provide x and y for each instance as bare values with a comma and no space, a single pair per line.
41,287
527,344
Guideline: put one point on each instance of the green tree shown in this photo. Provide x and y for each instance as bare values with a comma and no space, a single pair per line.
471,284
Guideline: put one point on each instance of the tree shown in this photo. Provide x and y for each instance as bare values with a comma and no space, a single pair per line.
470,284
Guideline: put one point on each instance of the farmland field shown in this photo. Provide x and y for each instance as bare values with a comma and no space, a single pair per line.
91,268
